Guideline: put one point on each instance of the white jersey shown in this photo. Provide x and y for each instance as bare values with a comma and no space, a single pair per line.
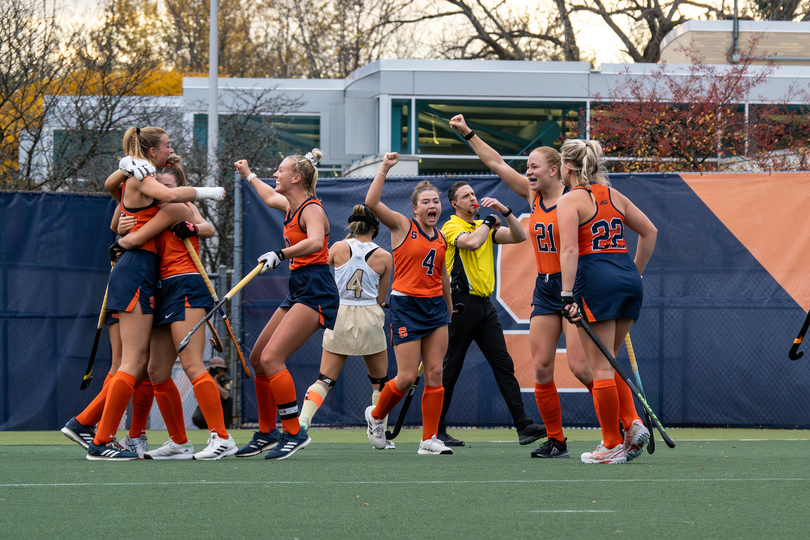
356,282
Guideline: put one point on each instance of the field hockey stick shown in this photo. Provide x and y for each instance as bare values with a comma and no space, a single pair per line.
194,257
238,287
794,353
405,405
216,341
634,366
639,396
102,317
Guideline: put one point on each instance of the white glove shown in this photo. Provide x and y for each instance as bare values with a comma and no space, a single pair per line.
142,168
213,193
125,165
271,260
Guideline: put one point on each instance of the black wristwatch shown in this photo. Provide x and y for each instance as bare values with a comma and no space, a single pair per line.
507,213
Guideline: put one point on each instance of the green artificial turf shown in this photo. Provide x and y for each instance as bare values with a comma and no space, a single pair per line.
714,484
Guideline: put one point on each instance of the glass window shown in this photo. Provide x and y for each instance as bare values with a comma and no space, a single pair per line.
86,153
512,128
400,126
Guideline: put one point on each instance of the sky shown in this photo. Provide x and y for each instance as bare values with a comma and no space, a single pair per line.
594,38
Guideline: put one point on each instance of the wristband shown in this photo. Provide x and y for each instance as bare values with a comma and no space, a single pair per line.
280,254
250,177
383,174
567,293
507,213
489,221
469,135
215,193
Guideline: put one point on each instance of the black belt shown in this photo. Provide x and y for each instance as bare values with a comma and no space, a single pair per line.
476,298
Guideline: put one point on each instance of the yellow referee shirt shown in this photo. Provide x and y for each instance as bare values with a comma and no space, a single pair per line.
472,272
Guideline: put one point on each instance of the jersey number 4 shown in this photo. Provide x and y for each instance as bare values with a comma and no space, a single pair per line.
429,261
356,283
608,237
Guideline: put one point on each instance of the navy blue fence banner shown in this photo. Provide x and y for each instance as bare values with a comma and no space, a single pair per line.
54,265
724,295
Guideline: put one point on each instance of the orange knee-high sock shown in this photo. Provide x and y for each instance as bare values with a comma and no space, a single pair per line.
432,400
589,386
548,403
118,394
207,393
92,414
171,408
627,406
283,389
389,397
266,403
607,409
141,405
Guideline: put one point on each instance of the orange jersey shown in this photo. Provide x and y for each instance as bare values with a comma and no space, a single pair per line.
419,263
143,214
293,233
174,257
604,232
543,228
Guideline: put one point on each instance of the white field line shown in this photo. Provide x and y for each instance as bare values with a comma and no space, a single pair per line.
406,482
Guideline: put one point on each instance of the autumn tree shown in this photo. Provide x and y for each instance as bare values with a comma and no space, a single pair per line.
671,121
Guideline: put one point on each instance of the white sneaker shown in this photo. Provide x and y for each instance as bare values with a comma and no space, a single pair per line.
389,445
608,456
433,446
217,448
137,446
376,430
635,438
171,450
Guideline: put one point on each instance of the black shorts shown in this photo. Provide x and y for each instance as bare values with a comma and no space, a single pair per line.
133,280
176,293
315,287
546,297
608,286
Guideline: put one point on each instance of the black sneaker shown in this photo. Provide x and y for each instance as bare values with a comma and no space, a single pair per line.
79,433
110,451
259,443
448,440
552,448
531,433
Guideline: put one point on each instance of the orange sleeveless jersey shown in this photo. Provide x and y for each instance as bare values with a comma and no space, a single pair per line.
543,228
419,263
174,257
604,232
293,233
143,214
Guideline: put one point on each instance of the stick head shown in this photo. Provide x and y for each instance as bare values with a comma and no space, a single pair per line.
86,382
795,354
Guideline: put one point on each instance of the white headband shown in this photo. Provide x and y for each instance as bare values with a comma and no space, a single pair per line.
311,159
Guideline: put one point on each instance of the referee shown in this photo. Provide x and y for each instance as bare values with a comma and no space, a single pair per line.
472,280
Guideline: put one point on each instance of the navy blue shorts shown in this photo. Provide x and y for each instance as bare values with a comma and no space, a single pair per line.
608,286
546,297
413,318
133,280
112,317
176,293
315,287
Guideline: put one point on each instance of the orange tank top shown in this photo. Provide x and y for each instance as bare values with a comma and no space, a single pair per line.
604,232
174,257
543,228
143,215
293,233
419,263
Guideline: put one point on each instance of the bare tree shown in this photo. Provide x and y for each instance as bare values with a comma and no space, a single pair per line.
34,59
641,25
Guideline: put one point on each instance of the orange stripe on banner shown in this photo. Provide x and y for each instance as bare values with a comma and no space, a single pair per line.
517,268
768,214
131,305
518,346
